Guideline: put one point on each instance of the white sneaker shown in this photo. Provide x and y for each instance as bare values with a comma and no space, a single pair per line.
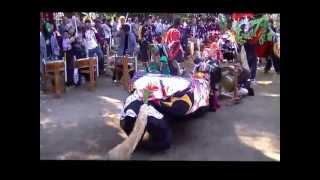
243,91
181,72
253,81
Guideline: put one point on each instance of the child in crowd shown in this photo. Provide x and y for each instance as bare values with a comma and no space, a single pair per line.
162,52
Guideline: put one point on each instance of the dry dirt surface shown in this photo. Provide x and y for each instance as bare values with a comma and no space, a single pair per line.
83,124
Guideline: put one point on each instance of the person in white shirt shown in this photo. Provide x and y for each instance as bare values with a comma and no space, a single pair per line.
92,45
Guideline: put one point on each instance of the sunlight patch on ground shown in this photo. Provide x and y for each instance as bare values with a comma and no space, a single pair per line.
265,142
264,82
46,122
70,125
117,103
269,94
92,143
73,155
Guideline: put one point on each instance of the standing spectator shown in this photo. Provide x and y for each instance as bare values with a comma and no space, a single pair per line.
166,26
127,41
201,30
62,27
99,33
79,51
200,35
193,28
92,45
52,47
43,51
127,45
78,47
114,31
159,27
184,37
147,33
135,27
129,22
163,56
272,59
122,21
107,34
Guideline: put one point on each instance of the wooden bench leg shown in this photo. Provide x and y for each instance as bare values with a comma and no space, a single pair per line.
57,84
45,83
125,74
92,78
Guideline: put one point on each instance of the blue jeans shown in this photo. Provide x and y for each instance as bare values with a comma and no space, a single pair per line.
252,62
98,52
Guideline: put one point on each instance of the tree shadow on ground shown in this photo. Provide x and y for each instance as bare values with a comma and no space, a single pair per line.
213,137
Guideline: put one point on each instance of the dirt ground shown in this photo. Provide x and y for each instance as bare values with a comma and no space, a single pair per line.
83,125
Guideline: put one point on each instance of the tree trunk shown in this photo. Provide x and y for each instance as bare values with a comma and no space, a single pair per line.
124,150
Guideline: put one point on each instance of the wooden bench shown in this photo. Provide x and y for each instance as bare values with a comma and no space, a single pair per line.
54,70
88,66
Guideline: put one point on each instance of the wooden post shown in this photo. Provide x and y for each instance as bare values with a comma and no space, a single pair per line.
45,79
92,65
57,83
125,73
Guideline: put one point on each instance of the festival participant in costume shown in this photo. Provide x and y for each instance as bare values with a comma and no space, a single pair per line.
92,45
52,47
173,41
